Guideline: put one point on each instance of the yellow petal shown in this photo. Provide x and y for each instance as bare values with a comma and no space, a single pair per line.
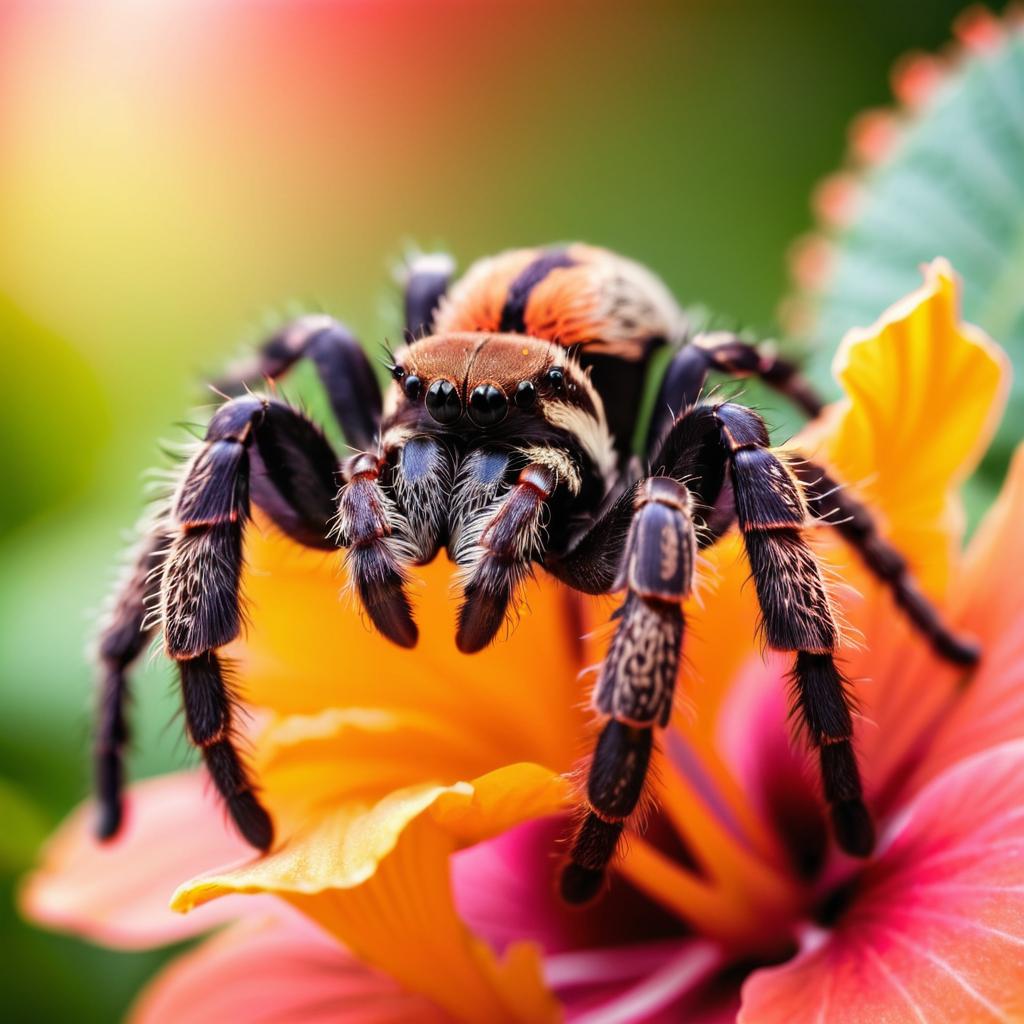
924,396
351,841
376,876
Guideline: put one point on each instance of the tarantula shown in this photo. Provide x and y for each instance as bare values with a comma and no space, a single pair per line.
506,438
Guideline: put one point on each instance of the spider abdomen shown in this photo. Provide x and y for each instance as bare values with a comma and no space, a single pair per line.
571,295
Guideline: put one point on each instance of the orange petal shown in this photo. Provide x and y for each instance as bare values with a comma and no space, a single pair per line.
377,877
308,649
936,927
308,764
990,589
116,893
282,968
721,632
991,709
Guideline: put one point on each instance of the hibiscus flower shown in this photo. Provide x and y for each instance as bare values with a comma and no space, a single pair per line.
420,795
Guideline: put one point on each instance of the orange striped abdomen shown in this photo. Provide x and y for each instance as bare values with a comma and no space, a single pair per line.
572,295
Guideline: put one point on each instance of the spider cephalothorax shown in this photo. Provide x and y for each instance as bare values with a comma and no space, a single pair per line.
466,413
505,438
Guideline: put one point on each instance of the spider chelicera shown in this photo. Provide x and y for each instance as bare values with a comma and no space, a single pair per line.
506,438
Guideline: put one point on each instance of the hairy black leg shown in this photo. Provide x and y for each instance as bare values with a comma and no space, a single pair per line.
690,451
294,476
370,525
796,612
852,520
637,680
496,560
127,630
340,361
593,561
426,280
200,602
686,375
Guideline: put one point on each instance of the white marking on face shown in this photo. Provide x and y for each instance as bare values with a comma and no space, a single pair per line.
591,432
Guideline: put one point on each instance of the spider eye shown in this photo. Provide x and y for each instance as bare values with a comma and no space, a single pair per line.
555,377
487,405
526,394
443,402
397,372
413,387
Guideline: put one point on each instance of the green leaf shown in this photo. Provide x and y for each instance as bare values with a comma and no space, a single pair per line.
951,184
25,827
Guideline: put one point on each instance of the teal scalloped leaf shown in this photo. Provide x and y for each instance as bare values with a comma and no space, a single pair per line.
952,185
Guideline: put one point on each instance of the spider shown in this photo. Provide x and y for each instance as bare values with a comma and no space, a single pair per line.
506,438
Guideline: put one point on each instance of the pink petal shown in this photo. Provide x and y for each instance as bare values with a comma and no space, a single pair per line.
505,890
117,893
605,962
645,983
755,737
281,968
935,928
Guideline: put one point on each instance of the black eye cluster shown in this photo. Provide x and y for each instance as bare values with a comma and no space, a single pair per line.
411,384
526,392
488,404
443,401
555,378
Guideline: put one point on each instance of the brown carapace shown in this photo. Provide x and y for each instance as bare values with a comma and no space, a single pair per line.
505,438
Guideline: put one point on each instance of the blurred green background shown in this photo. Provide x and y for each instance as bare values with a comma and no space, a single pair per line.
173,172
